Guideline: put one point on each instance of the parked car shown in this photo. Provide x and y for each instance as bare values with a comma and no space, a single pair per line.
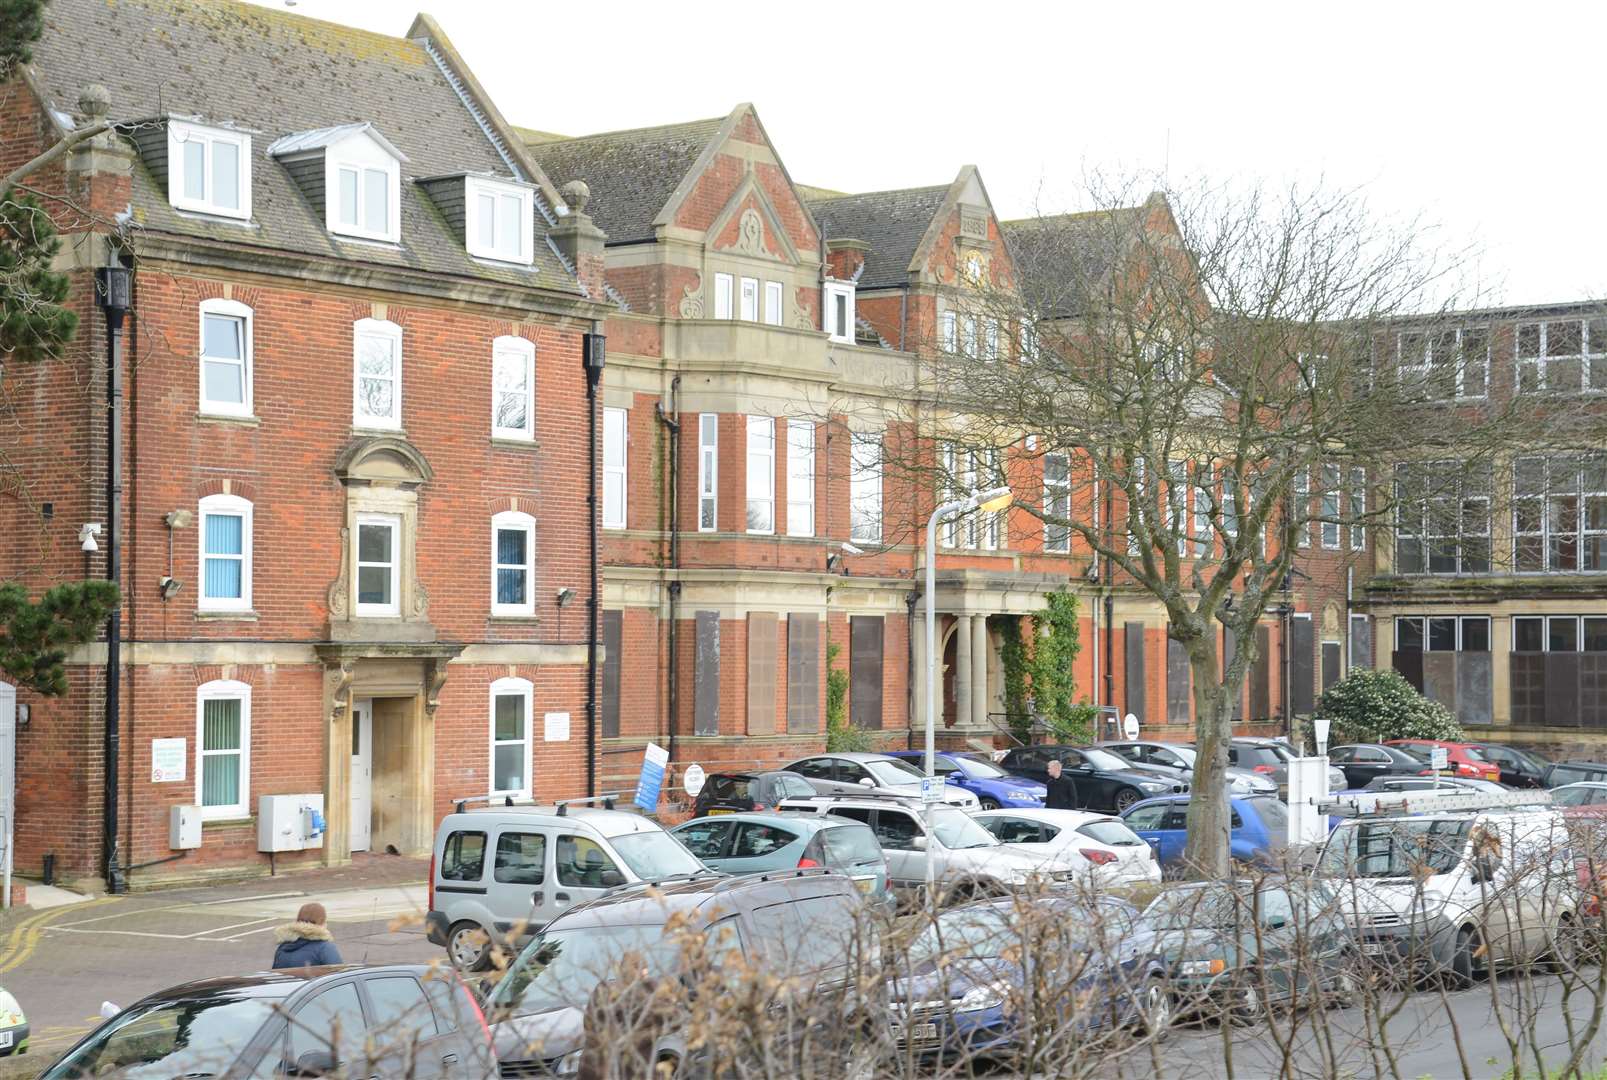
1177,761
799,925
1572,772
1236,948
969,968
966,857
1100,850
1259,828
498,873
1270,758
736,792
747,843
393,1020
1519,768
1362,763
1586,798
13,1026
1104,781
1462,759
1424,788
976,773
1439,890
851,773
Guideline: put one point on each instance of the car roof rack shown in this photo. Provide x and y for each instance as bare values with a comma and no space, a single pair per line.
892,796
560,808
1406,803
608,799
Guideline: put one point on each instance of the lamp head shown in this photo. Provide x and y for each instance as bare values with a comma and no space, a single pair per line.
994,499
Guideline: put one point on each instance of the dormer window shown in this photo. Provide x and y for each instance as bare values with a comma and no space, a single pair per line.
499,223
352,173
209,169
839,313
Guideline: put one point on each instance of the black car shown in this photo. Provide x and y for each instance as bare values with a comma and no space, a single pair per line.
1104,781
1519,768
1362,763
1572,772
741,793
395,1020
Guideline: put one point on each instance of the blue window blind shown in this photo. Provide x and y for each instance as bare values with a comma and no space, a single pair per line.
225,556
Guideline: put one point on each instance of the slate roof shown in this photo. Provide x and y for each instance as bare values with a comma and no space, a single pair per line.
891,222
1060,257
279,74
632,174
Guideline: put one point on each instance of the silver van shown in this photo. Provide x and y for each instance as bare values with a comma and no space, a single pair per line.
498,874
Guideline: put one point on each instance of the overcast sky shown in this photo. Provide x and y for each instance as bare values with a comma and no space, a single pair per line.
1477,117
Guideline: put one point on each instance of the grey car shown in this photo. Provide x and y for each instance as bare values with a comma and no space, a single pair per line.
1177,761
1270,758
856,773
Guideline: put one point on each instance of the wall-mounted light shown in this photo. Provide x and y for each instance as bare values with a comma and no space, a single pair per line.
24,713
178,519
169,587
565,595
86,537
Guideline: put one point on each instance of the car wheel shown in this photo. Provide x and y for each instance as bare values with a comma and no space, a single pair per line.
1126,797
468,946
1155,1009
989,803
1460,974
1564,956
1246,1006
1345,987
667,1067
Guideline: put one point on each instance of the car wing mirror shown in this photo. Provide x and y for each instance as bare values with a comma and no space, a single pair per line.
1275,922
612,879
109,1009
867,782
315,1063
918,843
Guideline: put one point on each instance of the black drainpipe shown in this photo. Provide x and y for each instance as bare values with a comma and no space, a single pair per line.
673,689
1110,616
909,664
593,355
113,288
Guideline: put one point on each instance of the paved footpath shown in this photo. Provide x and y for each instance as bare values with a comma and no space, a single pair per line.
62,962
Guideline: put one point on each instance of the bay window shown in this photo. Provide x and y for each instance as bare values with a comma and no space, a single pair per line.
614,468
865,487
761,474
800,478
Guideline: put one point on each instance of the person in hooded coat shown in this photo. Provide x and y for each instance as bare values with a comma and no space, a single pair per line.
307,941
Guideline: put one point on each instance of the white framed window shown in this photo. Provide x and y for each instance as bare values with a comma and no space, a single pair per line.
376,374
225,553
1447,364
1177,502
1302,500
513,388
761,474
1442,519
1565,356
987,527
750,299
1443,633
614,464
968,336
362,185
1358,508
990,339
510,737
513,563
1027,341
800,478
724,287
225,358
708,470
1057,503
1329,509
498,220
865,487
223,749
376,555
209,169
839,314
773,297
948,331
1204,504
1559,514
1559,633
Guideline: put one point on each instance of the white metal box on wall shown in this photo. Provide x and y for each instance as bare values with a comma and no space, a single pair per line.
184,827
290,822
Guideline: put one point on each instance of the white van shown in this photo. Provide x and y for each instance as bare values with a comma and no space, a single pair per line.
498,874
1456,893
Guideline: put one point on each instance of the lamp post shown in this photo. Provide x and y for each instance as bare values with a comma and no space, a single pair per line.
992,500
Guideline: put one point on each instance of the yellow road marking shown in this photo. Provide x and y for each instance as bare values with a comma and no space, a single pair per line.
26,935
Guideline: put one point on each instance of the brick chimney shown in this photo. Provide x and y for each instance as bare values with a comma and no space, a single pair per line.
580,240
100,169
845,257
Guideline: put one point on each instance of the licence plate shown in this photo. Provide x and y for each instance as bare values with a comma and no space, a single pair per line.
711,813
1372,948
5,1040
865,884
926,1032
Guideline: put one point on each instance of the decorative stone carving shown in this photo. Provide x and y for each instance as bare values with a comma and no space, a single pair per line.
421,600
338,680
339,598
434,679
692,301
750,233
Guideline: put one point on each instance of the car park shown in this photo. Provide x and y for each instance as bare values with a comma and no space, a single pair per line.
392,1020
498,873
1259,828
1362,763
1519,768
856,773
798,926
1104,781
1177,761
1462,759
735,792
1560,773
1270,758
1101,851
748,843
994,787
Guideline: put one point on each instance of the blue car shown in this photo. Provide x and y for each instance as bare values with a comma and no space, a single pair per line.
993,787
1260,828
971,971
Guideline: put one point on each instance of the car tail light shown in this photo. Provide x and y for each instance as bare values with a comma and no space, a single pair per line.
806,863
1266,769
758,806
430,898
1097,857
479,1013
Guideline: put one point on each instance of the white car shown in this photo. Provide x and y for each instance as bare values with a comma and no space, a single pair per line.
1097,848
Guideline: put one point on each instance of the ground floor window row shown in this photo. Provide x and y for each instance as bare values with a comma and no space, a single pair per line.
1530,633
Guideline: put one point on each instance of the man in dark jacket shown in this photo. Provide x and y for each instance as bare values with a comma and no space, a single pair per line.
1062,793
307,941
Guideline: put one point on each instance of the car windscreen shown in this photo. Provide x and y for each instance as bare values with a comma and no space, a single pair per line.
1573,774
1397,848
1112,832
190,1037
979,768
561,968
1474,753
974,932
655,854
893,771
1103,759
1250,756
956,829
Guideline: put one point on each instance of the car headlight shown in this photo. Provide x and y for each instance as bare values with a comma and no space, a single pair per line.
1150,785
1202,967
568,1065
987,996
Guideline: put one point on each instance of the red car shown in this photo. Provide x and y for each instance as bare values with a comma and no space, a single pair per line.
1462,759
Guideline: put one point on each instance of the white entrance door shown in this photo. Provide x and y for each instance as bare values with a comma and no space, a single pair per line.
362,782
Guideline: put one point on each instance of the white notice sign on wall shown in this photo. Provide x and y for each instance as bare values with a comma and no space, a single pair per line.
557,727
168,760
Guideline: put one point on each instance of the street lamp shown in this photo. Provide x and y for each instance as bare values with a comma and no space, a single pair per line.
990,501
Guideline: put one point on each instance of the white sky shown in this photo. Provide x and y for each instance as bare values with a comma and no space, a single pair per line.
1477,117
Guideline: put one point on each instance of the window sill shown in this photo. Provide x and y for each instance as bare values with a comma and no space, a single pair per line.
510,443
227,420
397,432
516,620
249,821
226,616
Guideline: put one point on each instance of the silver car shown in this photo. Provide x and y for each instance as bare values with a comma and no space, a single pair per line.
856,773
1176,760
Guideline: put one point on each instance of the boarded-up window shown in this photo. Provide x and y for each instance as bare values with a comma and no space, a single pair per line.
706,675
762,673
1302,662
1261,676
1134,634
803,672
865,671
1330,663
1177,682
613,634
1361,641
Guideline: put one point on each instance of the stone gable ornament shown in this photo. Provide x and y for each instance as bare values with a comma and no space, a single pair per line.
692,300
750,233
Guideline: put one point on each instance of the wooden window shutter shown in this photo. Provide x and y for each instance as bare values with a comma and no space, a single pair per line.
762,628
1261,675
1133,632
803,672
865,671
613,636
706,675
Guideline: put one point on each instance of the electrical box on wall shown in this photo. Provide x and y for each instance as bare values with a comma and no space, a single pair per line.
184,827
290,822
